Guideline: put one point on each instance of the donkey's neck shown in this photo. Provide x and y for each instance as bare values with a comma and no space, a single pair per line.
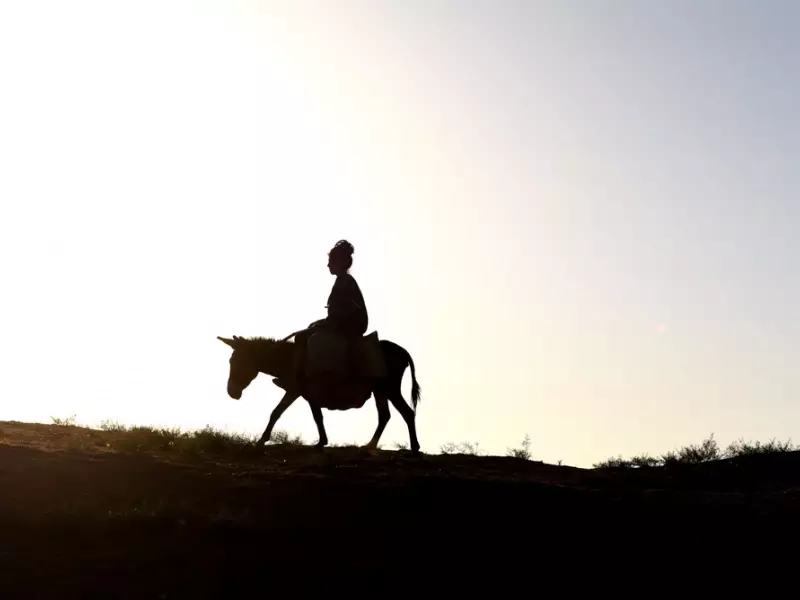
278,361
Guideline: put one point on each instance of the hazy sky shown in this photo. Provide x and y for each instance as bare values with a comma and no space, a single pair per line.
580,218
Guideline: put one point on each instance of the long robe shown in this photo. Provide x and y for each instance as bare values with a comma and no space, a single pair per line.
347,311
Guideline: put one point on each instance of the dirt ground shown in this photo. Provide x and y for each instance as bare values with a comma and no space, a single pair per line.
81,517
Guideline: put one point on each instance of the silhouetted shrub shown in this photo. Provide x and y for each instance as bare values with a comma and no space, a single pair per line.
708,450
468,448
742,448
283,437
108,425
523,451
64,422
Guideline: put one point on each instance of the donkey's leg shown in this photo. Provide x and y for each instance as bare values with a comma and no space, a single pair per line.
396,397
317,412
286,402
382,404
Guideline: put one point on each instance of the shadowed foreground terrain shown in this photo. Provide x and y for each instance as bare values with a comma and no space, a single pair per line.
127,514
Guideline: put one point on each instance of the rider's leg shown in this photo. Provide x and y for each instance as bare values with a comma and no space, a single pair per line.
299,359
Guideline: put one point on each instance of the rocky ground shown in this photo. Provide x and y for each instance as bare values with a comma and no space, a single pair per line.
108,514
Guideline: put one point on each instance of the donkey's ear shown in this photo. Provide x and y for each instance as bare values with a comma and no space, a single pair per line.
228,341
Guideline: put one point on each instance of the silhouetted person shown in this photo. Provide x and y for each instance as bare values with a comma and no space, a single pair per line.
347,311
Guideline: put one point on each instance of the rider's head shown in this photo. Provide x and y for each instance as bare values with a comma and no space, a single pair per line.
340,258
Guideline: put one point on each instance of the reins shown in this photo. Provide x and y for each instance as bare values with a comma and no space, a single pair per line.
291,335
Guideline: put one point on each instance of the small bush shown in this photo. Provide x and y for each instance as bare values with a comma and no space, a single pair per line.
108,425
64,422
468,448
523,451
206,440
742,448
140,438
209,439
283,437
613,463
643,460
708,450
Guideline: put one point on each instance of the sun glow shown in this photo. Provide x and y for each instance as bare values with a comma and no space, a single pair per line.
171,181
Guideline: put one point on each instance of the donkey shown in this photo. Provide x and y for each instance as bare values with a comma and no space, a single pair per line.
252,356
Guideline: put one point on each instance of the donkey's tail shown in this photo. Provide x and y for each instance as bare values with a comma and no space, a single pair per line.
415,389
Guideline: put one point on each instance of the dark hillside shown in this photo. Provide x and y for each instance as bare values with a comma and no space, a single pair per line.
140,514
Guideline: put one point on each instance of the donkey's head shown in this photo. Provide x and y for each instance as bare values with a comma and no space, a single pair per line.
244,365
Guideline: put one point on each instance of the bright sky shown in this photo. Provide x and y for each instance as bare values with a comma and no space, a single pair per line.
580,218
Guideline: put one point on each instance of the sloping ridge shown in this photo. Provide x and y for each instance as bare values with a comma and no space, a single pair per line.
203,524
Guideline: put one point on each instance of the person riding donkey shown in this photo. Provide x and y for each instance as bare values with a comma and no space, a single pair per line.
338,335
